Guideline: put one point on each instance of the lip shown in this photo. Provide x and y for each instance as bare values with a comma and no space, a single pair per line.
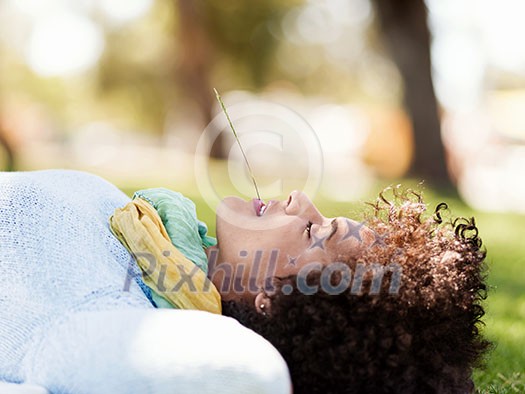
259,206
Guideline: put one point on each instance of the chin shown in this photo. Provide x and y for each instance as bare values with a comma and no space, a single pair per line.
232,205
228,213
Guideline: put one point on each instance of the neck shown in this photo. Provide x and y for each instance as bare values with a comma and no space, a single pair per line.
212,253
209,250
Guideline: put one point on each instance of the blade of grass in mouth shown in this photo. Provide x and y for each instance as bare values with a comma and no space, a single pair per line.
219,99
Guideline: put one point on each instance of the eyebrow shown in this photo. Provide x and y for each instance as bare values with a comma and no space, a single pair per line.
334,229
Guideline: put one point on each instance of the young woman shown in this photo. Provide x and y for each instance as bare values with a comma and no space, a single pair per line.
393,306
388,305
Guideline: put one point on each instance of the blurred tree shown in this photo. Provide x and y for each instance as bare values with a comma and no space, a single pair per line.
242,33
235,32
191,47
196,62
405,30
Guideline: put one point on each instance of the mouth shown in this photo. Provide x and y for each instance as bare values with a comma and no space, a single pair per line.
259,206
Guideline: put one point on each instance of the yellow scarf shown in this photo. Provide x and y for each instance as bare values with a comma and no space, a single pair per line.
165,269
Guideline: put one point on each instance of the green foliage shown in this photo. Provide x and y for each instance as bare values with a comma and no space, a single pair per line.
241,31
135,75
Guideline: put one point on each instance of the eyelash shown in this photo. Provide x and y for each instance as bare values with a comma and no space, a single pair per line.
308,228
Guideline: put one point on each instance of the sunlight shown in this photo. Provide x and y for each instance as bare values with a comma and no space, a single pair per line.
121,11
63,44
63,38
470,37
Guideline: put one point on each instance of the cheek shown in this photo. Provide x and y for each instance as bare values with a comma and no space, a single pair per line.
236,243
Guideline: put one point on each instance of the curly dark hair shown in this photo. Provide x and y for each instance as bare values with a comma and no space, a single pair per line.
423,337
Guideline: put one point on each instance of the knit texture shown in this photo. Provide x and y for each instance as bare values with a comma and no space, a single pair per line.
58,255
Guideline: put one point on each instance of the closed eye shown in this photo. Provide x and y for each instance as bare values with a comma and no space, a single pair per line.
308,228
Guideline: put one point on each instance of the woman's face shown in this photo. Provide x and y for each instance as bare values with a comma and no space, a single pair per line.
281,241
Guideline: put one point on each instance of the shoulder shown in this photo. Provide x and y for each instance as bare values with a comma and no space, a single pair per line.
62,187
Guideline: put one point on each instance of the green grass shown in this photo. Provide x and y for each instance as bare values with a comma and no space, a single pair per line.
505,319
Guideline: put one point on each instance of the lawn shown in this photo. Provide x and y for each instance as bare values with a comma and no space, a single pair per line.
505,319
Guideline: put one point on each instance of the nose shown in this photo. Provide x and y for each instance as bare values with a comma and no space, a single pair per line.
299,204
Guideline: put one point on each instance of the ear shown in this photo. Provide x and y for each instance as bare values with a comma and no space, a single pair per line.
263,303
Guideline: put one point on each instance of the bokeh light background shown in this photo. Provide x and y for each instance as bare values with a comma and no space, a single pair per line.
123,89
93,84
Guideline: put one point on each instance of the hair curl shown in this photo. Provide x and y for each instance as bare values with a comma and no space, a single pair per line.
424,338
